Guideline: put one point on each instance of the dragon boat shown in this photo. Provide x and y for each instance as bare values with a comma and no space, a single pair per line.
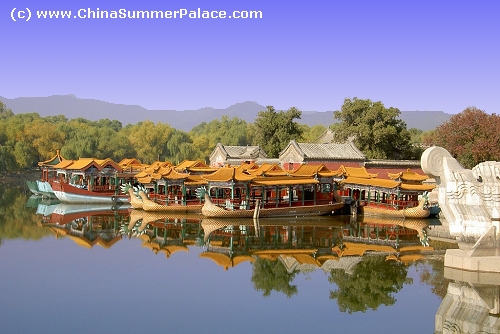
401,209
149,205
212,210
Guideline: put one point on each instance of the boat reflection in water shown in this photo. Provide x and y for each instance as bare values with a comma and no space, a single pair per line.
85,225
319,242
310,241
350,250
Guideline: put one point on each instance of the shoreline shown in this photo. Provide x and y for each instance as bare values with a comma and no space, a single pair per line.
18,178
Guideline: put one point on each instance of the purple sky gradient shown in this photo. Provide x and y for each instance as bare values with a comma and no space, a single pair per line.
416,55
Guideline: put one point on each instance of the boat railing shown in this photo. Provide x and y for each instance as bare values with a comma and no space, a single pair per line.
103,188
173,199
390,204
267,203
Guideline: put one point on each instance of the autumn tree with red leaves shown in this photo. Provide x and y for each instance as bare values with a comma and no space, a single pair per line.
471,137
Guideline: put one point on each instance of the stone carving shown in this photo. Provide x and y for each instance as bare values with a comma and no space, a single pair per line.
471,304
470,202
467,198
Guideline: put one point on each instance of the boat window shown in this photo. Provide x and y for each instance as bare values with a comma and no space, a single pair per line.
326,187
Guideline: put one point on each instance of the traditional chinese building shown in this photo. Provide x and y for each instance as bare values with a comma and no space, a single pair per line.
331,155
236,155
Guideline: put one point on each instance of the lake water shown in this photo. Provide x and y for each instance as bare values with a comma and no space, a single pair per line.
116,272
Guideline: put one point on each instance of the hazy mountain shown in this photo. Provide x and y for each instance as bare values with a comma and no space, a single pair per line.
73,107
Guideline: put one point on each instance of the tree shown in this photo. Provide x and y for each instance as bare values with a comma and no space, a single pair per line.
471,137
16,222
227,131
375,129
7,159
44,138
5,112
372,284
274,130
82,143
310,134
431,272
25,154
180,147
149,140
272,275
114,144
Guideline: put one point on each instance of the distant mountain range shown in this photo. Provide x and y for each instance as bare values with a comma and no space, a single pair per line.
73,107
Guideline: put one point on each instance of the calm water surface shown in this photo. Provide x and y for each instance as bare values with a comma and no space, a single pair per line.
125,273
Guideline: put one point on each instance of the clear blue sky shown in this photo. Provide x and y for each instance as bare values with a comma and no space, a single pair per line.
413,55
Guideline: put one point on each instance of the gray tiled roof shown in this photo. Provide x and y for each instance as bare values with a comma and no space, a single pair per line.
384,162
337,151
243,152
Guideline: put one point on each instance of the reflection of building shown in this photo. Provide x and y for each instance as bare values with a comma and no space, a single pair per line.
308,244
471,305
86,226
386,230
169,235
90,226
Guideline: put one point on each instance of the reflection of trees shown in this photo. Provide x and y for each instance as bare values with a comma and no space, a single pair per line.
272,275
15,220
372,283
432,273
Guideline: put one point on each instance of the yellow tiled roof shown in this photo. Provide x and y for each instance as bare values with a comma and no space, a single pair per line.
268,169
420,187
313,170
141,174
282,180
351,248
83,163
128,162
159,164
195,180
144,180
190,164
225,261
359,172
305,259
408,176
63,164
171,174
384,183
53,161
226,174
248,166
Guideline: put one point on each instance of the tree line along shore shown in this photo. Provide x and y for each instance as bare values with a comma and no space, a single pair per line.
471,136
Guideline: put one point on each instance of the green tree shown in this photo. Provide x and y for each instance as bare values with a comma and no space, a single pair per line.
272,275
82,143
25,154
180,147
431,272
43,138
149,140
7,159
114,145
416,141
16,221
376,130
311,134
227,131
472,136
372,284
5,112
274,130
